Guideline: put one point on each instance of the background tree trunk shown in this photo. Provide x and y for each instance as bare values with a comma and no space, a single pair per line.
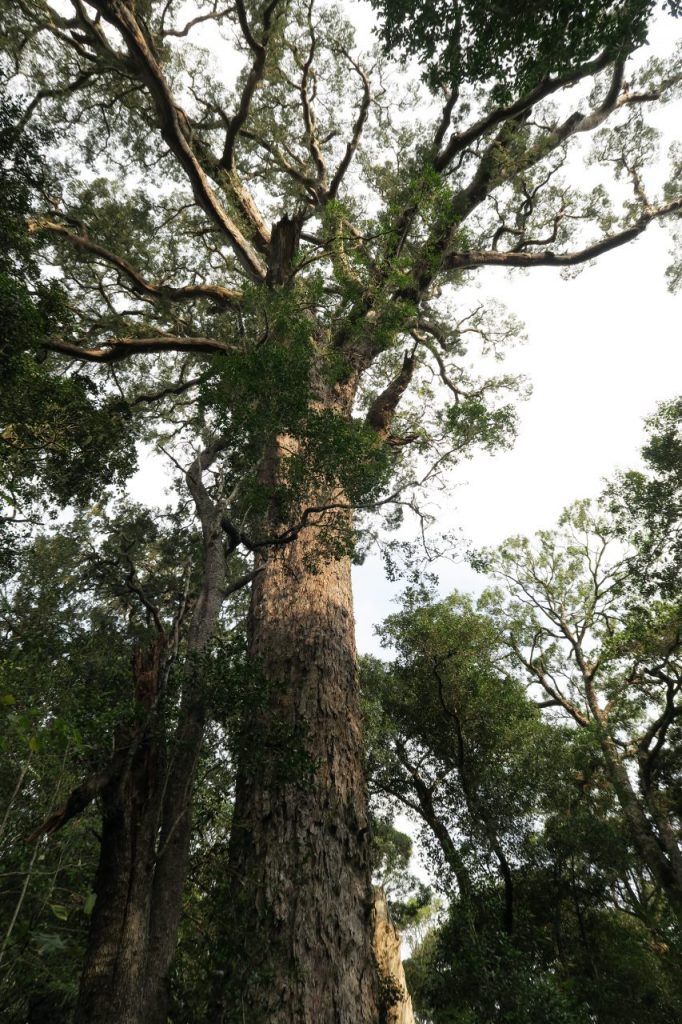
299,857
147,819
113,977
396,1003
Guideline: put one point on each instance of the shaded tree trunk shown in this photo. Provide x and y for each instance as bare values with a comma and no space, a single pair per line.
171,867
146,832
112,980
301,923
176,821
147,819
663,863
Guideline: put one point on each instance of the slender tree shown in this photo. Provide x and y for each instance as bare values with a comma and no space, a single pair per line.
255,238
608,656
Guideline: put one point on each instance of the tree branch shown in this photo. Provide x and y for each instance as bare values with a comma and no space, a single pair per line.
354,142
383,408
491,258
182,293
175,129
462,140
122,348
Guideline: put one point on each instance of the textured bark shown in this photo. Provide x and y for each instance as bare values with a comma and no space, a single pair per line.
299,858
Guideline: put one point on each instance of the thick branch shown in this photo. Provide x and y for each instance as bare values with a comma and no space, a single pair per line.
78,800
462,140
238,119
307,107
491,258
383,408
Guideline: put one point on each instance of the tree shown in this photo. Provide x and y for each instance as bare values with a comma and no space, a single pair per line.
645,505
58,436
550,904
102,640
608,659
219,260
514,45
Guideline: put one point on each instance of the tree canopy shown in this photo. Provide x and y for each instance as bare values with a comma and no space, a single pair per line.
513,45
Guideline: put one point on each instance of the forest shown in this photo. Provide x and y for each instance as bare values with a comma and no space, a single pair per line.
238,243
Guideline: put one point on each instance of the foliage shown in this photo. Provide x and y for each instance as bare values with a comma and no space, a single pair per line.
645,504
59,438
514,45
535,739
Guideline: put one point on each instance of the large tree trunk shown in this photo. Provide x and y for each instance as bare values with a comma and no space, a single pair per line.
301,928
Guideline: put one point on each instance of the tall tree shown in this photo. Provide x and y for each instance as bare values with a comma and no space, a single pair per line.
285,258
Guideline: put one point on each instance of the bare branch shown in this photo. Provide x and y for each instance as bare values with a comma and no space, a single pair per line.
354,142
122,348
187,28
491,258
182,293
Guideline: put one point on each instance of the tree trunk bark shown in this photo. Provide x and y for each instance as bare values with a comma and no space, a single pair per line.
301,924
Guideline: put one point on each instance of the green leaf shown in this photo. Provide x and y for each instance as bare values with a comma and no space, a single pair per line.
59,911
89,904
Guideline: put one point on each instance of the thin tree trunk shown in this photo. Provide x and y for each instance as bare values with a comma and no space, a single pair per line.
176,823
112,980
646,842
171,865
147,821
301,928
